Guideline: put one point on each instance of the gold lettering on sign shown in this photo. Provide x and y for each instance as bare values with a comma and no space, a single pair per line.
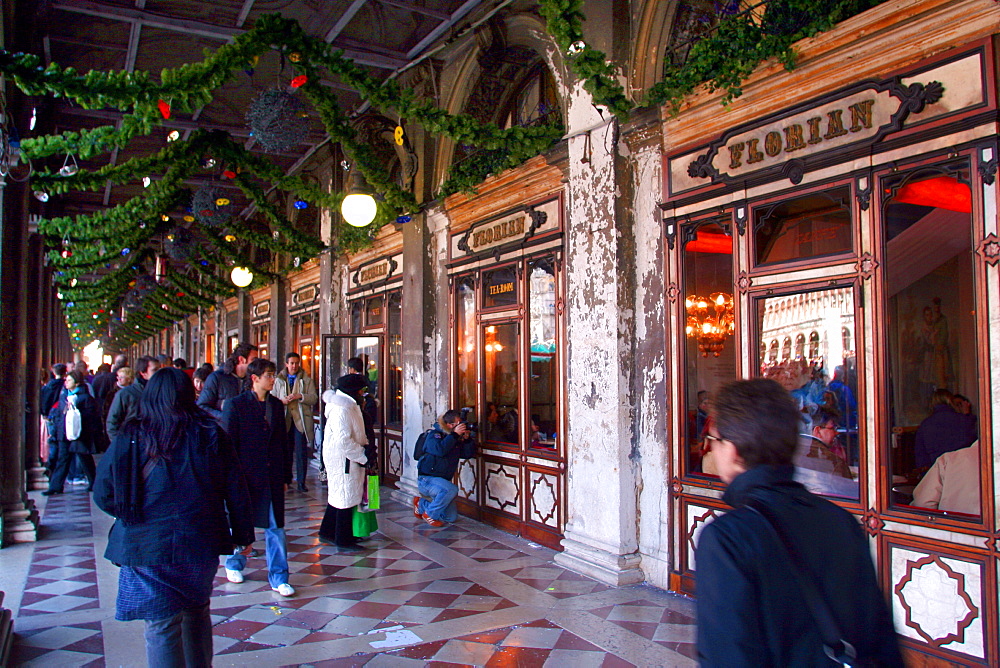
498,232
501,288
796,136
374,272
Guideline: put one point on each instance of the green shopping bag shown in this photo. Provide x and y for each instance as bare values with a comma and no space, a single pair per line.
364,523
372,497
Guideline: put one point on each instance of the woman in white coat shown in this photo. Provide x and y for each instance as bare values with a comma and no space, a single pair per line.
344,443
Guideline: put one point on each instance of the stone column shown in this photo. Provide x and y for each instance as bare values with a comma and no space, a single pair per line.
278,326
243,313
36,478
602,482
20,519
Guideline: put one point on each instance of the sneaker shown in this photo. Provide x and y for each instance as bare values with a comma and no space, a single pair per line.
284,589
416,507
433,522
234,576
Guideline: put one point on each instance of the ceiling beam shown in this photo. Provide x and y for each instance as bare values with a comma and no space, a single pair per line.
202,29
344,19
416,9
244,13
443,27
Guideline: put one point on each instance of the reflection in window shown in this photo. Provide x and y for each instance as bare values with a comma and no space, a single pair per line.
501,422
813,345
535,101
707,265
800,346
810,226
357,310
933,353
543,377
394,379
465,342
825,385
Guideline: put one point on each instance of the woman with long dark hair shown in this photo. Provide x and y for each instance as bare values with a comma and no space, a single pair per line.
174,484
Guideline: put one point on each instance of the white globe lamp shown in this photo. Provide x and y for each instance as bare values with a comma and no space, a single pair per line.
358,208
241,277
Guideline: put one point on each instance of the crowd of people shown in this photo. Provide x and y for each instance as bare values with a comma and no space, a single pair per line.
194,460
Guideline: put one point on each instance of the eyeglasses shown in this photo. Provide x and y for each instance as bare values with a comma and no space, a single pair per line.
268,375
710,437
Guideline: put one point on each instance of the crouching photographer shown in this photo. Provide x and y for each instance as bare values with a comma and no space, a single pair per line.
451,439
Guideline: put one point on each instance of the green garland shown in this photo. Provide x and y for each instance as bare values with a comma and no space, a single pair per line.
724,59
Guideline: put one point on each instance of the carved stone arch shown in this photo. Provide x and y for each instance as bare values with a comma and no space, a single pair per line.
656,20
520,33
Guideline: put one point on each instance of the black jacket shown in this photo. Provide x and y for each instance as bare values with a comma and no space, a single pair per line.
262,449
944,430
442,450
220,387
750,608
195,505
49,395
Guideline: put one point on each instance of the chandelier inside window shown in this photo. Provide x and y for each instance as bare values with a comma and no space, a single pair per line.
710,321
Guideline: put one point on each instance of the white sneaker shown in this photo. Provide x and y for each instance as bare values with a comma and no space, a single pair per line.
234,576
284,589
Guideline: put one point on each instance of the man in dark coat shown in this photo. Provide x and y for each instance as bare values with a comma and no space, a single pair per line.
227,381
944,430
125,405
255,422
449,441
751,608
104,381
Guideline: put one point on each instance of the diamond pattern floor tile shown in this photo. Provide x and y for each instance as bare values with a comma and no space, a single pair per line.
332,606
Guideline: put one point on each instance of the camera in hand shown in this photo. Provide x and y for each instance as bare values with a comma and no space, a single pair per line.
465,414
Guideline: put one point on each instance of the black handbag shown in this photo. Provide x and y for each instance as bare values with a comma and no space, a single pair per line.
835,646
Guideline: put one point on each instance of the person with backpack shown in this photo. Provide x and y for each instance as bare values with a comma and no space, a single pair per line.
437,453
75,424
785,578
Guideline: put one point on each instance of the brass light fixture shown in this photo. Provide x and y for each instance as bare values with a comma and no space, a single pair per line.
710,321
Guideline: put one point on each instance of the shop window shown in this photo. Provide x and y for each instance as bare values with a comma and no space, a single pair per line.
210,349
501,422
931,305
357,313
543,375
394,383
805,227
710,351
374,316
260,335
465,343
825,386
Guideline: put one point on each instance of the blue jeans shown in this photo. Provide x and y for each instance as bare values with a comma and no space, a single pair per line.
182,640
442,495
300,453
276,550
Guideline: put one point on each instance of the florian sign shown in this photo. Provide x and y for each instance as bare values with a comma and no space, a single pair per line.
377,271
508,231
795,141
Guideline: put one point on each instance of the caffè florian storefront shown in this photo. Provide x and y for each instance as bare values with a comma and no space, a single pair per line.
848,248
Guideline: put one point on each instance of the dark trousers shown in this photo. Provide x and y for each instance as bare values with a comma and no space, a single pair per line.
182,640
61,467
300,451
338,526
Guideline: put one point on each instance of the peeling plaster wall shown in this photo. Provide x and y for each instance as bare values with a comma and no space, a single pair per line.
650,453
600,531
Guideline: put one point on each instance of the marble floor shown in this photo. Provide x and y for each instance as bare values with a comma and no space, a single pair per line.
461,595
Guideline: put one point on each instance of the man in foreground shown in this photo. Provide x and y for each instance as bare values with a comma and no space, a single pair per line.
753,609
255,423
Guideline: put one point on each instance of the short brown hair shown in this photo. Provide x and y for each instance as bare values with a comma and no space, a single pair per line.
760,418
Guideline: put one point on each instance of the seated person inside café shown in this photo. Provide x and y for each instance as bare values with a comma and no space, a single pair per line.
952,483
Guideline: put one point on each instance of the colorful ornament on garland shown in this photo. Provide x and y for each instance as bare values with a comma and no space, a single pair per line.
275,122
299,81
164,108
397,134
206,208
229,174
